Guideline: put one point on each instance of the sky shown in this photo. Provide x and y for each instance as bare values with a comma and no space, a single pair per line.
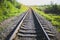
38,2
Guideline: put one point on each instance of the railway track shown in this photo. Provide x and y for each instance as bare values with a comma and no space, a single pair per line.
29,28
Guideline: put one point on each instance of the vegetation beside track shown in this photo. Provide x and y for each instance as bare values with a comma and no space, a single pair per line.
10,8
54,18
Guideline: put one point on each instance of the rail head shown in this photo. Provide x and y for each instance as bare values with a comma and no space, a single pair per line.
42,27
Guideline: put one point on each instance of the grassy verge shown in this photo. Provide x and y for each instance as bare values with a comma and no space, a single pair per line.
13,12
21,10
9,8
53,18
17,12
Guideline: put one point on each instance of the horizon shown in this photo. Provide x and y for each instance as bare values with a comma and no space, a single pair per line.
39,2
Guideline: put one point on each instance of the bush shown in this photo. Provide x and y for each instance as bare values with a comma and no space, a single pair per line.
8,8
53,9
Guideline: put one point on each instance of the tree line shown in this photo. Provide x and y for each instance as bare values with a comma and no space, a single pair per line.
53,9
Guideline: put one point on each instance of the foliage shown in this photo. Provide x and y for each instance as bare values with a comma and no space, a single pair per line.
6,8
53,18
53,9
9,8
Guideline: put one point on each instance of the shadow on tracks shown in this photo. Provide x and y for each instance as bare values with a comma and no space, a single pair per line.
39,31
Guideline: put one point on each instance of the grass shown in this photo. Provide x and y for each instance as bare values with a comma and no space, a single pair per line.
21,10
9,9
14,12
53,18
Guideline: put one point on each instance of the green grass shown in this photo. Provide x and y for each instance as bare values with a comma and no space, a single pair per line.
53,18
20,11
13,12
9,9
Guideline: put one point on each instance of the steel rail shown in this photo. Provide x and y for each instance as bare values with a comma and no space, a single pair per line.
12,37
42,27
17,28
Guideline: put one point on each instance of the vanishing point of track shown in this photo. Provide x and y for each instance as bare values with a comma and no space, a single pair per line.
29,28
